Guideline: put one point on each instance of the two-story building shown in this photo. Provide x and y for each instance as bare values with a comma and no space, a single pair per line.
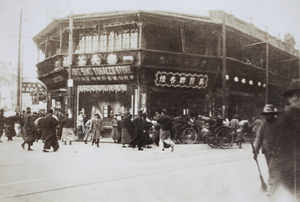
185,63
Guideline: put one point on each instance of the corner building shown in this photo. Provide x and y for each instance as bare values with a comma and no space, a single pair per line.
188,64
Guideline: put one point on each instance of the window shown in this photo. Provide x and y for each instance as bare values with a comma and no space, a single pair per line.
106,111
108,40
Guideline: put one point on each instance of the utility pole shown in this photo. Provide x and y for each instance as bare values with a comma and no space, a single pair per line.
267,68
19,64
70,80
224,71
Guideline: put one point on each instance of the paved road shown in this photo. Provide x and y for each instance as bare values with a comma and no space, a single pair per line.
80,172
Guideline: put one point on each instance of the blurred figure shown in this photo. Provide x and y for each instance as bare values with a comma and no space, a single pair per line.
28,130
67,125
287,143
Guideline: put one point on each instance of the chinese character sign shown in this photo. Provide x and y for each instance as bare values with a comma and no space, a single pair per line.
181,80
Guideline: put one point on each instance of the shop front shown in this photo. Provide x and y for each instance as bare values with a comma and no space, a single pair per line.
181,93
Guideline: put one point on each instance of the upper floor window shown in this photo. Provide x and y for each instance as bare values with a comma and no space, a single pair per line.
107,40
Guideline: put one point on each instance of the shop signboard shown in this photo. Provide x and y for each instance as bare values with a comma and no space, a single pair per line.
110,73
181,80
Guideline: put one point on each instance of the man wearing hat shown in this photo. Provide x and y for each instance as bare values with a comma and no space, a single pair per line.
50,124
29,130
288,142
265,140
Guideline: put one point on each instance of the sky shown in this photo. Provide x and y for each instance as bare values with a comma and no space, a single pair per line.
279,16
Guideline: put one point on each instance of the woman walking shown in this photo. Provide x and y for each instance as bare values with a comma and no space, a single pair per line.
96,130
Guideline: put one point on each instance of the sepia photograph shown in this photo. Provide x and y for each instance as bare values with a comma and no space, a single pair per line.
149,101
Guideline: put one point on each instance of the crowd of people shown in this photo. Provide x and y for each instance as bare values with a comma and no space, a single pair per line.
276,134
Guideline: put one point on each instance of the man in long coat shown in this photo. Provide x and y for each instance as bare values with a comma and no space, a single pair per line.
28,130
288,143
265,140
138,131
50,124
126,129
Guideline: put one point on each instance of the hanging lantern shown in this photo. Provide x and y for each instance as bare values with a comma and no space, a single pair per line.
236,79
264,85
243,80
251,82
259,83
227,77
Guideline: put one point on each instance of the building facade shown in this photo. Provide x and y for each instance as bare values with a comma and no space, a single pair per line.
187,64
8,87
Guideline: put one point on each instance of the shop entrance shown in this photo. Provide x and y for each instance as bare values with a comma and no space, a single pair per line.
177,103
106,104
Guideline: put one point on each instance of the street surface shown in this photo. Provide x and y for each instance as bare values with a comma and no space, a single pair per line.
80,172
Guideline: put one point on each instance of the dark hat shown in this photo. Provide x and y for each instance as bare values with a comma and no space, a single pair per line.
269,109
28,109
50,111
294,87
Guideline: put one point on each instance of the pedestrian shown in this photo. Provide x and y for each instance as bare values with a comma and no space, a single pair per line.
1,122
50,124
115,135
39,124
9,125
287,143
18,127
67,125
28,130
138,132
127,130
265,141
255,125
80,125
242,129
234,122
166,125
88,129
96,129
146,127
59,127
